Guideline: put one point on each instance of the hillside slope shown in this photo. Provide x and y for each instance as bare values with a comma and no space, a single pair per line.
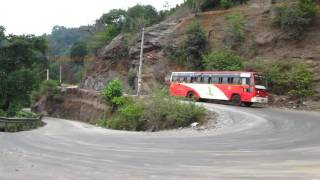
262,42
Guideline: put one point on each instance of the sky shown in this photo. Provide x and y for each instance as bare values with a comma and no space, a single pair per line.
39,16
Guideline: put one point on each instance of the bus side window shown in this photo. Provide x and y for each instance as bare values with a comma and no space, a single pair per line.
220,80
230,80
195,79
188,79
174,78
236,80
202,79
206,80
245,81
181,79
225,80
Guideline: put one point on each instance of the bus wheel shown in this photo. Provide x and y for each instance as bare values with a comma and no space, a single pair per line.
236,100
190,95
248,104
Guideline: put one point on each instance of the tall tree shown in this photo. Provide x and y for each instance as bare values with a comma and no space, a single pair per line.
22,60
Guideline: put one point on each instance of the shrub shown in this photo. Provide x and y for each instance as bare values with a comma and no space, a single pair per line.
164,112
157,113
190,51
2,113
295,17
13,109
235,28
111,91
286,78
50,90
223,59
127,118
24,114
226,4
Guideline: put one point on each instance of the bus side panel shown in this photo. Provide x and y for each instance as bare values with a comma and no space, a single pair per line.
181,90
230,90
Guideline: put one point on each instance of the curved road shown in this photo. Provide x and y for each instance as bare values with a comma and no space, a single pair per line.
248,143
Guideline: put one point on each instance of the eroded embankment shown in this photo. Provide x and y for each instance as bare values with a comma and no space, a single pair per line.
77,104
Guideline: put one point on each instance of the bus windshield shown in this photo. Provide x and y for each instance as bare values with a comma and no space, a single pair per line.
261,82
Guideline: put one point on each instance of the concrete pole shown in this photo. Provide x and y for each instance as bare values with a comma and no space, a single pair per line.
48,61
140,65
60,74
48,78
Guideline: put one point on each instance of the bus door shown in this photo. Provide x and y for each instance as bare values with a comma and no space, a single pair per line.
247,89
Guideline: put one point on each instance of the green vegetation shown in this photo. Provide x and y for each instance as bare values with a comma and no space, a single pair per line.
78,52
156,113
205,5
23,62
294,17
286,78
223,59
235,29
50,90
112,94
192,48
226,4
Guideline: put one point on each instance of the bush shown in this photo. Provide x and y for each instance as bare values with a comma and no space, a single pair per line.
112,92
190,51
24,114
223,59
235,28
286,78
127,118
157,113
2,113
50,90
226,4
295,17
164,112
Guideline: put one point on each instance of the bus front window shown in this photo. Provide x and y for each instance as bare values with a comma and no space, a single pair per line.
260,82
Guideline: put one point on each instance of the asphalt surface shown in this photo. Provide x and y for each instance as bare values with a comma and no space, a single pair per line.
248,143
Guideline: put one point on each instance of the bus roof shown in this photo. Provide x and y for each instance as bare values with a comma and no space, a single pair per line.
214,72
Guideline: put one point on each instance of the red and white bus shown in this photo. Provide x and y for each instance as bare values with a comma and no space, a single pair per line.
236,87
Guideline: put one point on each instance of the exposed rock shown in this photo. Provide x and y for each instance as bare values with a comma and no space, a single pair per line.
156,37
78,104
266,37
115,49
94,83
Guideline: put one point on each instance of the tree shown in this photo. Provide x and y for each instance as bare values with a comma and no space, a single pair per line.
223,59
114,17
294,18
78,52
195,44
2,30
140,16
22,60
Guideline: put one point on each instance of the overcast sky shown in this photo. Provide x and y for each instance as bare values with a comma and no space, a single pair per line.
39,16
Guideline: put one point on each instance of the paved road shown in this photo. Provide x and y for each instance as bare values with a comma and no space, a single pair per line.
248,143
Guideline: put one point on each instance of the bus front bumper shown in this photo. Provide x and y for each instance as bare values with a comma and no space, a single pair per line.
263,100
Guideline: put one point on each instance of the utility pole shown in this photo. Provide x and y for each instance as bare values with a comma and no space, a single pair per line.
60,73
48,61
140,65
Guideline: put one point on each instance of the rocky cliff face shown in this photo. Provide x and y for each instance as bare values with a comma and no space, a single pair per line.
117,60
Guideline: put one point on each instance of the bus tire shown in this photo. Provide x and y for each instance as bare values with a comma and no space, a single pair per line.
236,100
248,104
191,96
